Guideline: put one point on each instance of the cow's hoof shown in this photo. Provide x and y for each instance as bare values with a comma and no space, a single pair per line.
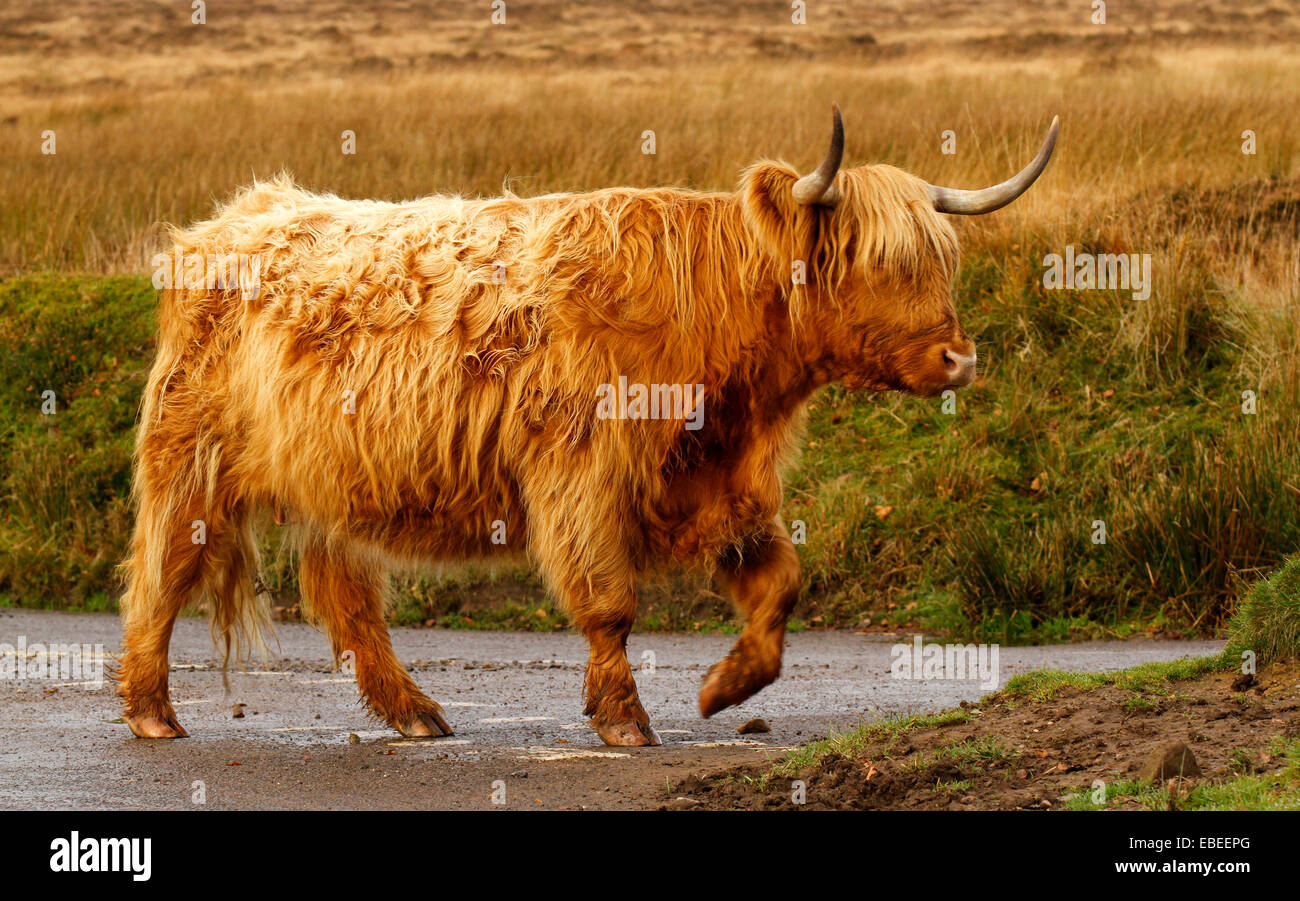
155,727
627,734
730,681
426,725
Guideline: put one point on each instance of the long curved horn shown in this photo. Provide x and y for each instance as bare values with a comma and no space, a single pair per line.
971,203
819,187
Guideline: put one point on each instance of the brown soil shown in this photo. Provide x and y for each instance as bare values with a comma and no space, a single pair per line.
1052,749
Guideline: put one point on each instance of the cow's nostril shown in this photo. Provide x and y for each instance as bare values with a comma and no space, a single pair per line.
959,367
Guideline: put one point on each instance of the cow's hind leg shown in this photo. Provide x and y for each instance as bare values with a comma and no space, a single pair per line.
155,593
764,583
183,545
344,588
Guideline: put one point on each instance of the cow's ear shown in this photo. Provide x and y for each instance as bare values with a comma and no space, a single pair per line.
784,228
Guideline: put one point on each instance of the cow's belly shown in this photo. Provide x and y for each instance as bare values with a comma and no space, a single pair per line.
385,490
487,530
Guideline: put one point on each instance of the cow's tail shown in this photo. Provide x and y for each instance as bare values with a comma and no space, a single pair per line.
232,585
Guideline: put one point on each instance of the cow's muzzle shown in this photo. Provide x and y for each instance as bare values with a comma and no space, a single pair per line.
959,367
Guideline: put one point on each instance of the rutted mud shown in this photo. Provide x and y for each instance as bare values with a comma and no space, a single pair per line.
1023,755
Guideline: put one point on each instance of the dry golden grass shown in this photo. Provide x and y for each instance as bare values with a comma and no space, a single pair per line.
156,118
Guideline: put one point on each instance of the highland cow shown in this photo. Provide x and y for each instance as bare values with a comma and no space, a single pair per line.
420,381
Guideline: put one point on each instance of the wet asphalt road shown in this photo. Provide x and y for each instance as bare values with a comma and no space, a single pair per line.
513,699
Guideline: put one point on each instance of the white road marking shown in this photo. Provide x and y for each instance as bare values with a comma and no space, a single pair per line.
516,719
563,754
262,672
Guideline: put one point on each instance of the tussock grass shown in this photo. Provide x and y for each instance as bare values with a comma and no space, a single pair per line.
1268,619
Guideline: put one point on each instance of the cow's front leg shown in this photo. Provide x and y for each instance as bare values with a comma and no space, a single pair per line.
612,702
579,535
763,582
604,607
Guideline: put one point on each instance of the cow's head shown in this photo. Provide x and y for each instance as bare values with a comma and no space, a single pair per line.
870,263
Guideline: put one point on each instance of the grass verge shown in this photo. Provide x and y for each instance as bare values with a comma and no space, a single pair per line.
980,521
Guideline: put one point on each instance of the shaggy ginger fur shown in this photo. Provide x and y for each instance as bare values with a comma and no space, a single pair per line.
415,378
